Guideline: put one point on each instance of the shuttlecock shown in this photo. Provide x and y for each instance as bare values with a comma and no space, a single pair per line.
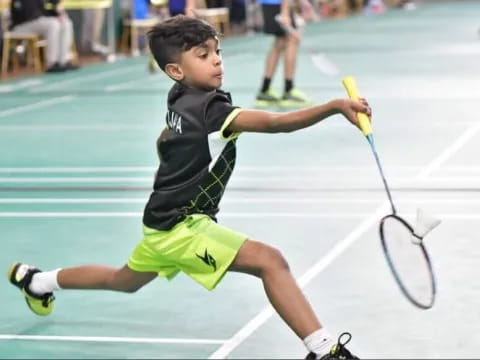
424,224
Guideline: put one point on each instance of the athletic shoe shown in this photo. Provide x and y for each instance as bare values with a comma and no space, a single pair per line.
21,275
338,351
295,98
153,66
55,69
267,98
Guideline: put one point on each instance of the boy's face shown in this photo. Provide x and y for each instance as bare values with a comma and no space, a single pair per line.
200,67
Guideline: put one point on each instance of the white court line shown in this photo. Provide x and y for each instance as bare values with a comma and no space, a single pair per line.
259,168
87,169
126,84
84,78
404,182
238,215
323,63
34,106
272,200
240,168
449,152
77,180
74,127
249,215
20,85
109,339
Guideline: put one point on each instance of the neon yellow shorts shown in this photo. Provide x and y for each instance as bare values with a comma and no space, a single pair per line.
198,246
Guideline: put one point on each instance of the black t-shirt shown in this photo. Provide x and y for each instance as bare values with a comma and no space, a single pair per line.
196,155
23,11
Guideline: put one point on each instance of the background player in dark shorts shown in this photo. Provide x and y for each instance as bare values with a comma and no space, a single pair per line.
277,16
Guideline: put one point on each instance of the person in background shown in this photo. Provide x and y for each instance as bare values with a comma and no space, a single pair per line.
49,21
175,7
92,25
278,17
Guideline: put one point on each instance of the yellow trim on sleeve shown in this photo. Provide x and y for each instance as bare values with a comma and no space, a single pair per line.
227,122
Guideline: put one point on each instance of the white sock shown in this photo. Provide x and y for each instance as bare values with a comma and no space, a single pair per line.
44,282
319,342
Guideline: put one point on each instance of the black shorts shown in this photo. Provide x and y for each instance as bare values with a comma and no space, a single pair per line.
270,25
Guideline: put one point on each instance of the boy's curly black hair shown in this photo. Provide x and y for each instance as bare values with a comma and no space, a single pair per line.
178,34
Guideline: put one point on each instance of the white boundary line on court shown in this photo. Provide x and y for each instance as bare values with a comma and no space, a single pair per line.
87,169
452,149
246,200
37,105
405,182
240,168
112,214
267,312
126,84
236,215
75,127
83,78
20,85
110,339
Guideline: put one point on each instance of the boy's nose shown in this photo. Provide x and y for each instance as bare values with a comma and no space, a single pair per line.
217,59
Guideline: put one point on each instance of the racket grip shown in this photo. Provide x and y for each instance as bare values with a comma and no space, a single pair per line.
350,85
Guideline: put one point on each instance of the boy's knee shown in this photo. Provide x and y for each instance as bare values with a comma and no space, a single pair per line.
274,259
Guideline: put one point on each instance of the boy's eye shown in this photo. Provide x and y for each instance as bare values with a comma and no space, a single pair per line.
203,55
218,51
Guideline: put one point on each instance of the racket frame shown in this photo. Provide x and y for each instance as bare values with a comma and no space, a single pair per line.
392,267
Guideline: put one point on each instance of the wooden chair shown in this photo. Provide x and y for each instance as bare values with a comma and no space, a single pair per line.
31,44
13,41
132,29
218,17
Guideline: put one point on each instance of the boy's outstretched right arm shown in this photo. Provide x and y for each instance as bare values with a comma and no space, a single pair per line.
271,122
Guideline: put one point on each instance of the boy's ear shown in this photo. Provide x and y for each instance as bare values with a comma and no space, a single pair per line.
174,71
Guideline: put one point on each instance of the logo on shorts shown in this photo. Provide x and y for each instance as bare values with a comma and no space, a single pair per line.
208,259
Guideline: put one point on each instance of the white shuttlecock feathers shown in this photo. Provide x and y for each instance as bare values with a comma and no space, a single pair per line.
424,223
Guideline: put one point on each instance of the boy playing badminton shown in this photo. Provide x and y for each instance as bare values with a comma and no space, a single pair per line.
197,156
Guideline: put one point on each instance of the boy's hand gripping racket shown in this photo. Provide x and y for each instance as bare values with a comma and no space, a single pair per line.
401,243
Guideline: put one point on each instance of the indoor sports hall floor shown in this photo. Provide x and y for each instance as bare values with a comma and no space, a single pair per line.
77,161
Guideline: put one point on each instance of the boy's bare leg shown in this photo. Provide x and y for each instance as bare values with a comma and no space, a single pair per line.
103,277
291,50
282,290
273,56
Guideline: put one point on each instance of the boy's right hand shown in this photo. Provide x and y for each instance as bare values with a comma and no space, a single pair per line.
349,108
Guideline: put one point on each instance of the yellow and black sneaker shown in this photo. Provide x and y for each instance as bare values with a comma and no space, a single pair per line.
295,99
338,351
267,98
21,275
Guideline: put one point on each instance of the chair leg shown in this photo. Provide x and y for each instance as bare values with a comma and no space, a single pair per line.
5,56
37,67
124,39
134,41
74,52
15,58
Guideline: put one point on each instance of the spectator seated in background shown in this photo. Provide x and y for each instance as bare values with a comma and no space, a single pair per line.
49,21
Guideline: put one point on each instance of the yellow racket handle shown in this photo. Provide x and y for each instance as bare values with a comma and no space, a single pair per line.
350,85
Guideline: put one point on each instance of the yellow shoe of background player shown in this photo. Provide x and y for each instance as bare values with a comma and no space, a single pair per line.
21,275
295,98
153,66
267,98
